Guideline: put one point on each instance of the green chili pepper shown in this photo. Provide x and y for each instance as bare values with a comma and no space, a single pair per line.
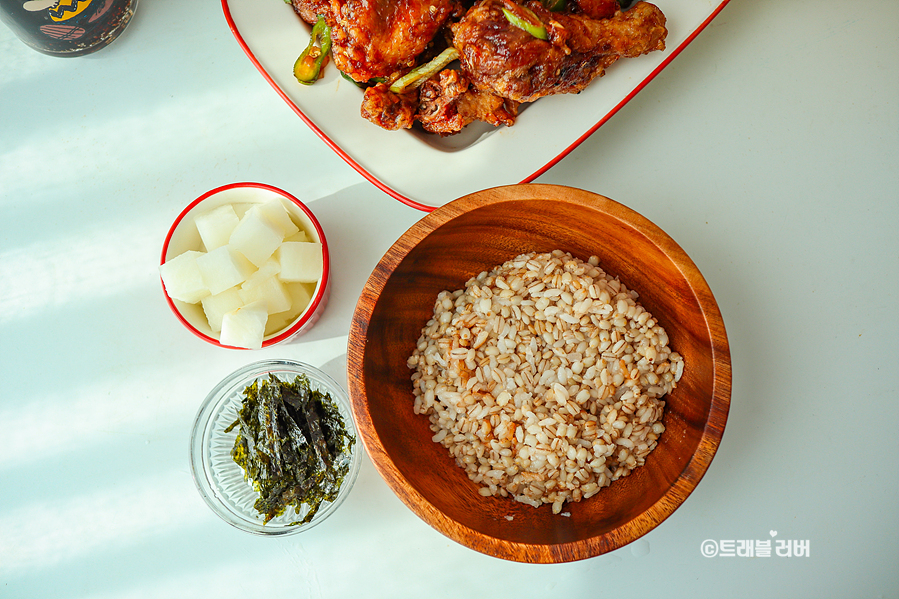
362,84
350,79
420,74
308,66
532,24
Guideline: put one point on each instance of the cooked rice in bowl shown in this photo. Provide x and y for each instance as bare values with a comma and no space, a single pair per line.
544,378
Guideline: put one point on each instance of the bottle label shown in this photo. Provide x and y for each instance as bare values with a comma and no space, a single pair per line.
67,26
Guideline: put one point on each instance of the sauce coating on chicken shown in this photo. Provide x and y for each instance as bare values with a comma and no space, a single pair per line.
509,53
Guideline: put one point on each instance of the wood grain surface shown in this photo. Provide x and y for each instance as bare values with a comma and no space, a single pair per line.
476,233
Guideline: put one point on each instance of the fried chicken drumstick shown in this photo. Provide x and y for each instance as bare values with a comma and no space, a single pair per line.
512,63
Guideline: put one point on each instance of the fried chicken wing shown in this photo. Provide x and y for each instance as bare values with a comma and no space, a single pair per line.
510,62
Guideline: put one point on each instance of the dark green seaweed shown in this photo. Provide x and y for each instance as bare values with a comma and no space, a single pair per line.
292,444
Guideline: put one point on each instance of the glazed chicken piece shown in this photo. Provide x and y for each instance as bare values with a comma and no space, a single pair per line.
597,9
447,103
387,109
510,62
310,10
444,104
374,38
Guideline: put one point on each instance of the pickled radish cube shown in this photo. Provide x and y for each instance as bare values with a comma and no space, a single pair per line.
182,278
298,236
256,237
223,268
215,227
244,327
277,214
216,306
301,262
300,296
278,322
270,268
270,292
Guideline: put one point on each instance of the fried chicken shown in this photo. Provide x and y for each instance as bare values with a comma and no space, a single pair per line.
374,38
444,104
510,62
502,65
597,9
311,10
387,109
447,103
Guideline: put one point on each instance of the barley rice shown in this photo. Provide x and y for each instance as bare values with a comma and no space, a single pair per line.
544,378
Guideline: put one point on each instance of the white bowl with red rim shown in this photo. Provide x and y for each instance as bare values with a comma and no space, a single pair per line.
183,236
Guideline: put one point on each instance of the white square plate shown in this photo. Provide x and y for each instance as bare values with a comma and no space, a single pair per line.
426,171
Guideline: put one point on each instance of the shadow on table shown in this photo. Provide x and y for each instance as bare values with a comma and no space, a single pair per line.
360,224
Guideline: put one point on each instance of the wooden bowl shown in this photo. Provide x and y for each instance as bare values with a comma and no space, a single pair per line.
476,233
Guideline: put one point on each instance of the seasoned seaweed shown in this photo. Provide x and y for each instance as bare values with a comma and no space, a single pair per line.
292,444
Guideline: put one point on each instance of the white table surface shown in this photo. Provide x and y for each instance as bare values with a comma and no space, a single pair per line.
769,150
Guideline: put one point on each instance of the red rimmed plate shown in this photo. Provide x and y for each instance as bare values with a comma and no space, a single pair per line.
427,171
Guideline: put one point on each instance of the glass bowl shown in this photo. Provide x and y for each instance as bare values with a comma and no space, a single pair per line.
220,480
